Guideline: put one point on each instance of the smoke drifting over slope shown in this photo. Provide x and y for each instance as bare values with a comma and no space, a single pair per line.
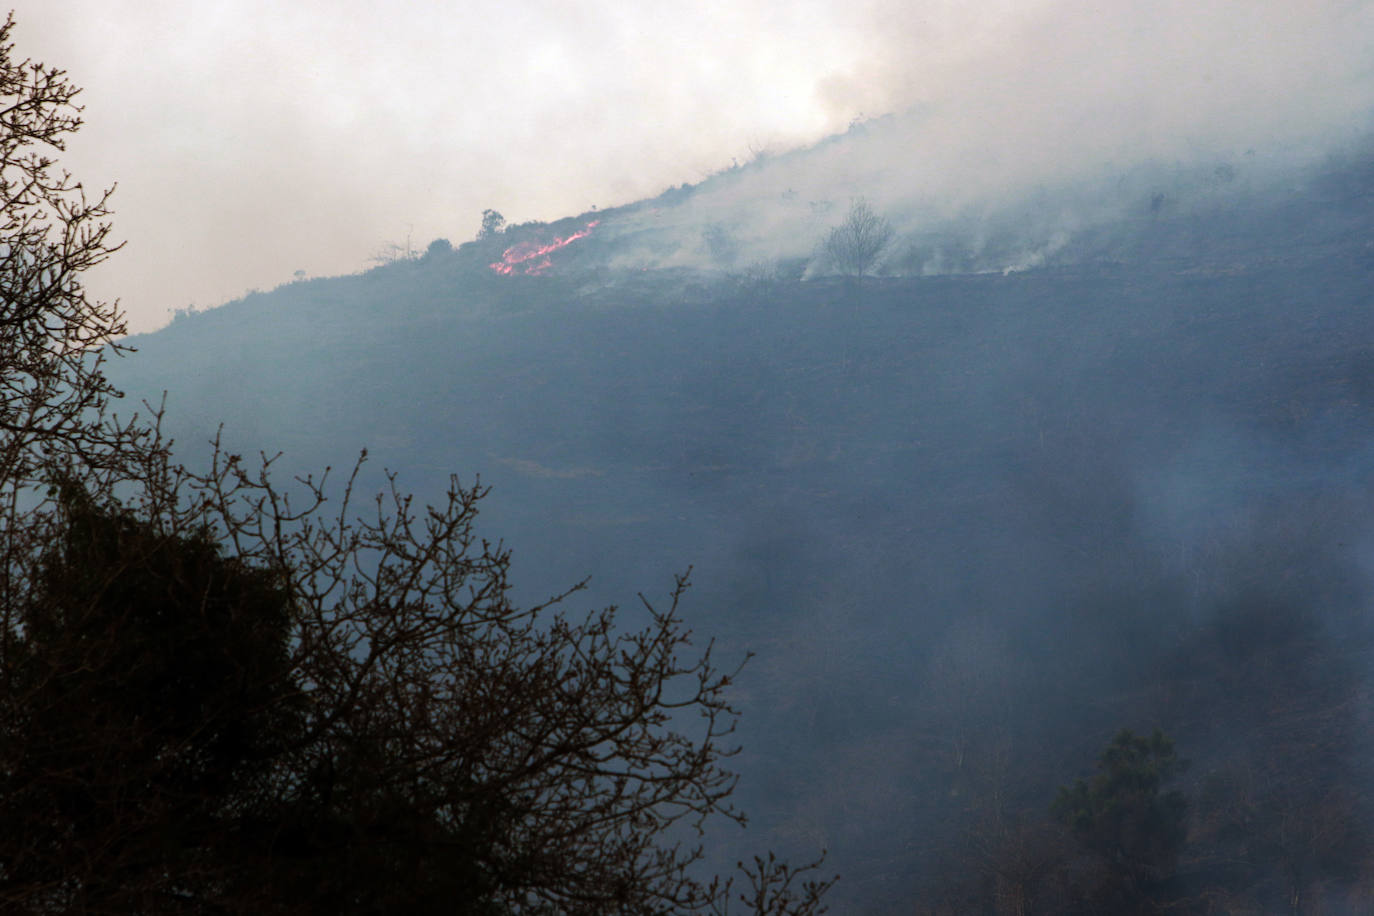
251,140
1055,119
1053,85
771,217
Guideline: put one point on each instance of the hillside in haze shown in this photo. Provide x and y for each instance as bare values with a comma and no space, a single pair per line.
1098,455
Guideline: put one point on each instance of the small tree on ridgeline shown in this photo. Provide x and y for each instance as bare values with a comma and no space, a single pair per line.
853,247
217,696
493,224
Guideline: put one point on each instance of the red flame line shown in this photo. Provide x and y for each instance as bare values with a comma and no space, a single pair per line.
524,252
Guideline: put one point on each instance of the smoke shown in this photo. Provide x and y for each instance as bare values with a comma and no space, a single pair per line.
1055,117
251,140
1094,81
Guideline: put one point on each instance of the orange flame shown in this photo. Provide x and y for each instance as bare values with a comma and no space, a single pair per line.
525,252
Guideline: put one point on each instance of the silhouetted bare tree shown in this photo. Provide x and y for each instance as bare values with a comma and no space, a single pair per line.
854,246
342,711
50,234
220,696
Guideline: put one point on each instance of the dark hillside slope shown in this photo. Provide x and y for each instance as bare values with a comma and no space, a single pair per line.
972,524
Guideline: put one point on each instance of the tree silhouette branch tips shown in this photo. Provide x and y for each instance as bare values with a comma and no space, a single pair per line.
50,233
376,715
854,247
395,252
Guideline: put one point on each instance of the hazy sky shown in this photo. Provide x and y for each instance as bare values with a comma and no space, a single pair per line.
254,139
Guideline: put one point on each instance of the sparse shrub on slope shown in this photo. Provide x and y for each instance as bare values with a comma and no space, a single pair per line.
853,247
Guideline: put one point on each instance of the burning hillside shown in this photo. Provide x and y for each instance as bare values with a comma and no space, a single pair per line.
533,257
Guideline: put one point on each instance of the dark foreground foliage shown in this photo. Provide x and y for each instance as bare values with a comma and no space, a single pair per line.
372,728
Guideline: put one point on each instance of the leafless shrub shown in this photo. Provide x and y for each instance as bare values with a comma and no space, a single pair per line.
853,247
